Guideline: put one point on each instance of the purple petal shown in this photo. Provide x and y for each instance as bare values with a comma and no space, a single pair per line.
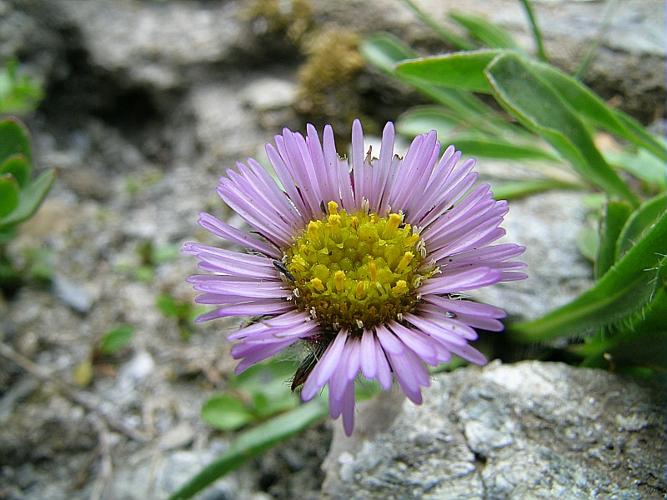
368,354
458,282
324,367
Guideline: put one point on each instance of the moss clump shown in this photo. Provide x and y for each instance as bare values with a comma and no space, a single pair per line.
328,78
289,18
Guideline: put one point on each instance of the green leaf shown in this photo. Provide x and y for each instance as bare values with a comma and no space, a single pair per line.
624,289
643,165
226,413
452,128
461,70
14,139
446,35
384,51
18,167
464,70
493,147
423,119
616,214
641,341
520,189
589,105
268,386
535,28
116,340
539,108
9,194
252,443
639,221
491,35
588,243
30,200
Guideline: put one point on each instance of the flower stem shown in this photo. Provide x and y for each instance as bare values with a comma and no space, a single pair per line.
537,34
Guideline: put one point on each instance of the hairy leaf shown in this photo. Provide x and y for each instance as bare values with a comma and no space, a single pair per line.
616,214
627,287
539,108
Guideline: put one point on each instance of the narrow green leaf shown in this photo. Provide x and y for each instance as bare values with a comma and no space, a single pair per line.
9,194
426,118
384,51
535,28
116,339
624,289
446,35
253,442
18,167
452,129
491,35
616,214
638,135
14,139
641,341
643,165
638,222
539,108
226,412
461,70
493,147
30,199
589,105
521,189
588,243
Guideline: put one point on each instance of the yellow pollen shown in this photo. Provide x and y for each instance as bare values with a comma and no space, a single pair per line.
372,270
356,269
361,290
392,225
333,207
316,283
405,261
339,279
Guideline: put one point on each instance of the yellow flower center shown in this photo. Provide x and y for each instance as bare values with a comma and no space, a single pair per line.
357,270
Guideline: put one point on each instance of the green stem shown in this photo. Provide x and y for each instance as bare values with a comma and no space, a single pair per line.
537,34
588,57
452,39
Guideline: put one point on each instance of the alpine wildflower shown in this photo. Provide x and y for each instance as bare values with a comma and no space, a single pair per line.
362,261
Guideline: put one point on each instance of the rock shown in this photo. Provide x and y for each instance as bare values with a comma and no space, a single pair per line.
136,370
161,474
530,430
155,43
71,293
270,93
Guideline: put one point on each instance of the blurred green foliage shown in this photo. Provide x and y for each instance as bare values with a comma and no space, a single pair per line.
18,93
20,197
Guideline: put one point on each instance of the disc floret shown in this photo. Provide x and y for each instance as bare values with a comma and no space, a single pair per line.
357,270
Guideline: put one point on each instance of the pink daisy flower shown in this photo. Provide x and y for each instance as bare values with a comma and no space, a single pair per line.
360,260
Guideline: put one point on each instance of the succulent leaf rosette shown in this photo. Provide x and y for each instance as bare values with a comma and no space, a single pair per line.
362,261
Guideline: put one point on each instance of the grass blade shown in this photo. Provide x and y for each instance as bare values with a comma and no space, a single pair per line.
253,442
535,28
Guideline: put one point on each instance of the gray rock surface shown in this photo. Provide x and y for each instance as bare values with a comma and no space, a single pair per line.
530,430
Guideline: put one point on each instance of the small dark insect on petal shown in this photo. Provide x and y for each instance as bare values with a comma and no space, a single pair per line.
283,270
307,365
323,207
